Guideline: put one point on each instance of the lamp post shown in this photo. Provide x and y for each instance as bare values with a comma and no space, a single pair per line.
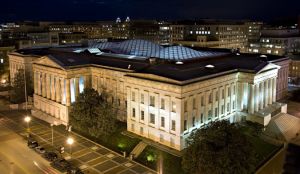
70,141
27,119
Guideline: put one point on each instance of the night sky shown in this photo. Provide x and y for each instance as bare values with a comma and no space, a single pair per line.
90,10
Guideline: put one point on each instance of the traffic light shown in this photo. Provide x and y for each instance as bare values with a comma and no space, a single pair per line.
62,150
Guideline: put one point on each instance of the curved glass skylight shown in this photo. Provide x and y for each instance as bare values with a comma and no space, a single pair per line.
149,49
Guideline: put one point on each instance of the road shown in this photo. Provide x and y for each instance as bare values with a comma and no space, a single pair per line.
17,158
91,157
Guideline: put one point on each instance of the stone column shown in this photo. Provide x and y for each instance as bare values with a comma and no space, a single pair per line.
53,85
87,81
274,89
62,90
35,81
44,94
76,87
251,99
256,98
68,93
48,87
266,94
270,91
39,84
262,94
57,90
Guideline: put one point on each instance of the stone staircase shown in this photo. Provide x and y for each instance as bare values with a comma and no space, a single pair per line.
138,149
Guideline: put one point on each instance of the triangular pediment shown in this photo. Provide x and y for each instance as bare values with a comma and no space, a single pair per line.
47,61
269,66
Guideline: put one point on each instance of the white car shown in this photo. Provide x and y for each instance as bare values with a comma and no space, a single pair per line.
40,149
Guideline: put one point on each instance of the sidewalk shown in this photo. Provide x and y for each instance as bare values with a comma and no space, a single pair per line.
87,155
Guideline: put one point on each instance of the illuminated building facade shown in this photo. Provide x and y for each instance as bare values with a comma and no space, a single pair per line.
164,93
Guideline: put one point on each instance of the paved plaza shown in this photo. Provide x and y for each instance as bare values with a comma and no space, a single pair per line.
87,155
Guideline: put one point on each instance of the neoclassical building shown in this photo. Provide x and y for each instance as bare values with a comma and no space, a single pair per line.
163,93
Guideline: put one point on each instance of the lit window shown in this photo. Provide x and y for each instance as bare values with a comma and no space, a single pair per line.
152,101
142,115
133,112
173,106
202,100
162,103
142,98
162,122
1,60
152,118
173,125
185,106
193,121
194,103
133,96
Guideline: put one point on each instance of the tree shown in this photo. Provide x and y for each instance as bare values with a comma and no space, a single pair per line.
93,112
17,94
219,148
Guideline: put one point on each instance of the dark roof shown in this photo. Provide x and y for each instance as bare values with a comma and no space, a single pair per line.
195,68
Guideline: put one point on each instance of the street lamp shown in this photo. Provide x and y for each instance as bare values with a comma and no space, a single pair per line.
27,119
70,141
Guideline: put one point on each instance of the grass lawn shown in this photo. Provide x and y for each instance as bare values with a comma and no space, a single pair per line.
117,141
171,163
264,150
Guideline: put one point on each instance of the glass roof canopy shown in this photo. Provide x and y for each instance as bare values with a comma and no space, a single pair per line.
149,49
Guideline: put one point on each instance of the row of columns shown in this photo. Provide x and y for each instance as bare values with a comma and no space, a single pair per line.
52,87
261,95
57,88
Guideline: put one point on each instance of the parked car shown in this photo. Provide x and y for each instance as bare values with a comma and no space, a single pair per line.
61,164
74,170
40,149
50,156
32,144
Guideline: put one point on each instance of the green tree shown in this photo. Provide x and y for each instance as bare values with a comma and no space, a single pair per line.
219,148
95,113
17,94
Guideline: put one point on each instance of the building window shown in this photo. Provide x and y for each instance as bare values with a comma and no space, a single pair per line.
1,60
119,102
162,121
229,92
193,121
185,125
217,95
133,96
185,106
216,112
234,90
222,110
210,97
125,104
142,98
201,117
209,114
142,115
152,101
173,107
173,125
194,103
223,93
233,105
202,100
133,112
162,104
152,118
228,107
